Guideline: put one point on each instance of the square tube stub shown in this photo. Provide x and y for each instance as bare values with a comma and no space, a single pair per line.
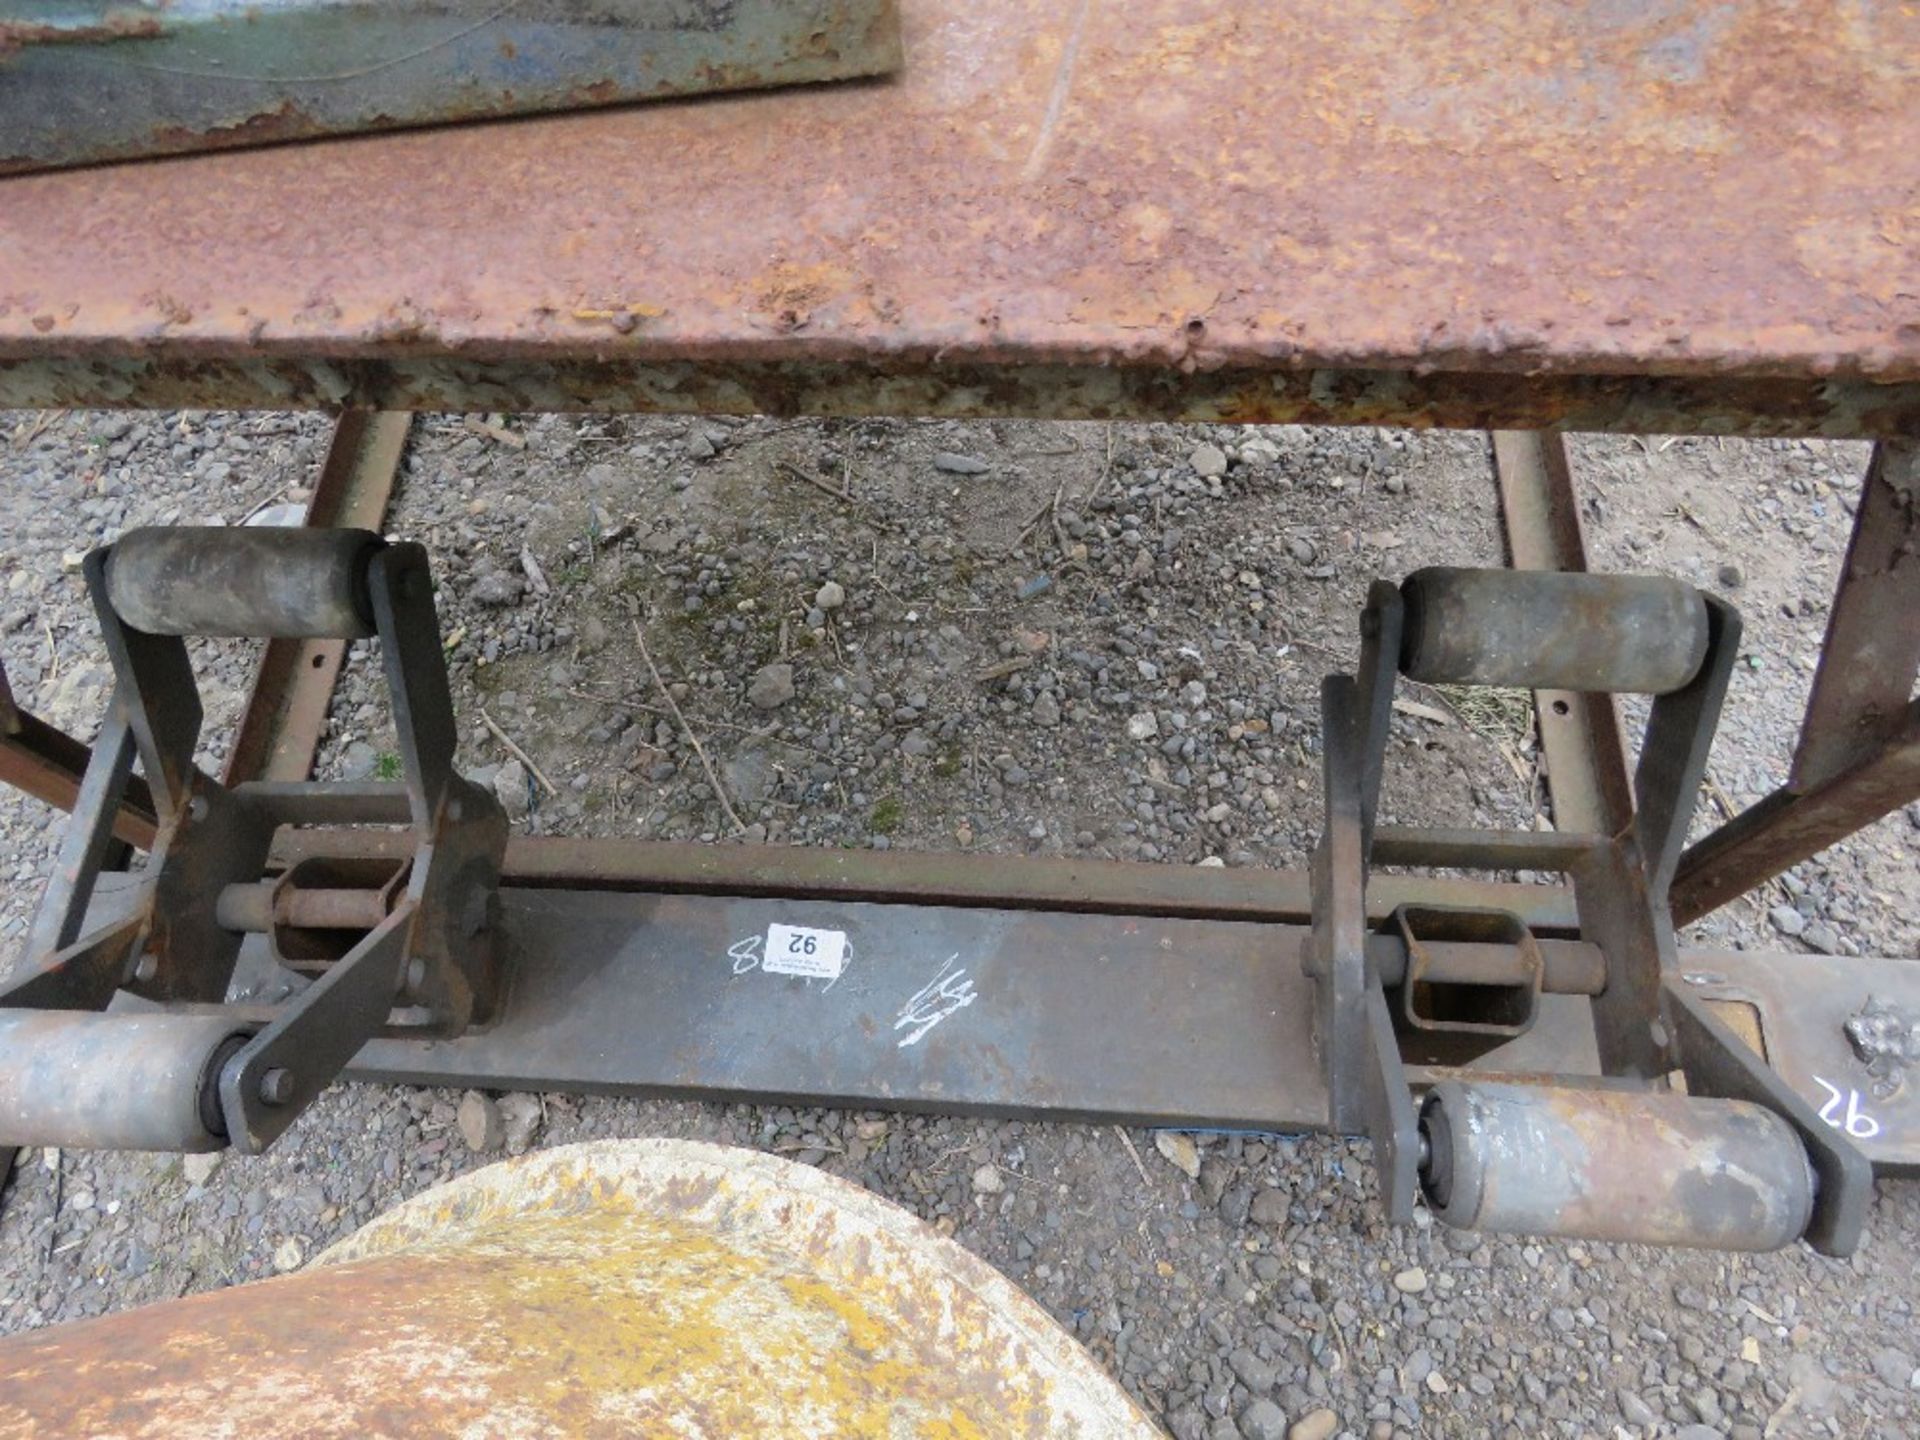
1452,1015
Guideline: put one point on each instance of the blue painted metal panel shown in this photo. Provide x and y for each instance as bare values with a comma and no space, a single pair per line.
82,82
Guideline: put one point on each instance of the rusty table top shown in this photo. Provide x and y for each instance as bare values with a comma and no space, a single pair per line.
1643,214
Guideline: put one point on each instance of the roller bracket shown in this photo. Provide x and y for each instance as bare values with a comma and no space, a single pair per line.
416,956
1542,1157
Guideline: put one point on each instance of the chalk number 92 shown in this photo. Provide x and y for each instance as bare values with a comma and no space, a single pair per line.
1842,1111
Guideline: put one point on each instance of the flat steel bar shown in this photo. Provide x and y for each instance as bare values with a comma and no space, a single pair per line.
1146,1020
286,713
936,1009
1588,782
1777,833
1005,228
593,981
1156,1021
1112,887
49,764
1871,654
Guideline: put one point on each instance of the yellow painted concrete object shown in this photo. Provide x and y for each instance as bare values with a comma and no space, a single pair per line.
655,1288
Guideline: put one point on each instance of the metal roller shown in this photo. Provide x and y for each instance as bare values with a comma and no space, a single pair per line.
113,1082
1617,1165
244,581
1548,630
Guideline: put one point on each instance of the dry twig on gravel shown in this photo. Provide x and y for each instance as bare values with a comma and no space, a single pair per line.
522,756
713,778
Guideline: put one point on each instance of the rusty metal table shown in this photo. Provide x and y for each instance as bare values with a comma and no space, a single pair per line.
1672,216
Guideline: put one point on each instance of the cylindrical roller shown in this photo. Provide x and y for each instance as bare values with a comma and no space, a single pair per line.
1618,1165
244,580
1545,630
112,1082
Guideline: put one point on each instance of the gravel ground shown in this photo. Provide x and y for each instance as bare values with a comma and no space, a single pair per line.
1159,603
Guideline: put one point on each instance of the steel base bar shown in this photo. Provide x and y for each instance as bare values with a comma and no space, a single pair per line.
1033,1013
1020,1013
1133,1018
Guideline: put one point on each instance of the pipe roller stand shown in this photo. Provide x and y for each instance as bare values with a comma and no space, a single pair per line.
1688,1138
391,948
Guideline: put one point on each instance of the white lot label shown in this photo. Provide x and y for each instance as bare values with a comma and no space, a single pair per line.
796,950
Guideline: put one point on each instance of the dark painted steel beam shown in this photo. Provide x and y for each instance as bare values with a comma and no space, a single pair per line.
286,714
1587,778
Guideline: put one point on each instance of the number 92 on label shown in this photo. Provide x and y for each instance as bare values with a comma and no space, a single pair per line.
798,950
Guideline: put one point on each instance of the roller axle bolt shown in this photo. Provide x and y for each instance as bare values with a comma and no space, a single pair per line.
276,1086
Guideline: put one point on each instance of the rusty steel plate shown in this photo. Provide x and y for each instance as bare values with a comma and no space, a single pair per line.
646,1288
1684,216
1026,1013
1843,1031
988,1011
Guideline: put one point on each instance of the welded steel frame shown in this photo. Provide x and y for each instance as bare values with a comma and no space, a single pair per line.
1646,1023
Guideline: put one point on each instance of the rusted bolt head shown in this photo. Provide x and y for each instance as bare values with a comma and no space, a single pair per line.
276,1086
